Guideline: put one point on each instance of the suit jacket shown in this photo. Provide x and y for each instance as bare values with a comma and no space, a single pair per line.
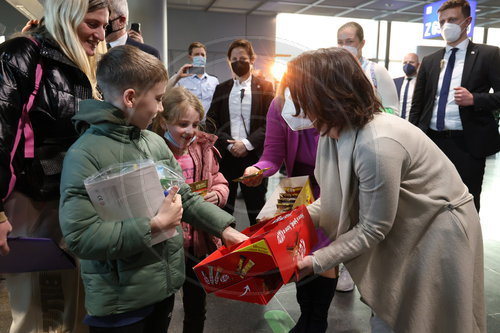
218,118
405,226
399,82
143,47
481,72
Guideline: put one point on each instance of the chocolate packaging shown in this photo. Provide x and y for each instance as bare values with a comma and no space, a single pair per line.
254,270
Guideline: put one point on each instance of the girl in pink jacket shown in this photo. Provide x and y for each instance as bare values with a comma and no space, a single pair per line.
197,156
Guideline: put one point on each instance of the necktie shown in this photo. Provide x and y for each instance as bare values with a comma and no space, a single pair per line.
445,89
242,94
405,98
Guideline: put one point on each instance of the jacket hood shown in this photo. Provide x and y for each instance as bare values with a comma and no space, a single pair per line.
206,139
105,118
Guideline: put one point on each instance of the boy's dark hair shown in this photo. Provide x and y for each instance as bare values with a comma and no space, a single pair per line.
124,67
243,43
359,29
456,3
195,45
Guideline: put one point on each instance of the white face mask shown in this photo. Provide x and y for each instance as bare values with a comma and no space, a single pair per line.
301,122
351,49
451,32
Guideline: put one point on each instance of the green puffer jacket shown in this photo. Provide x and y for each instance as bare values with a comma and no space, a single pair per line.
121,271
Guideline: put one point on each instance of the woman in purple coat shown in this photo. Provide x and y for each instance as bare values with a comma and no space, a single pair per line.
297,149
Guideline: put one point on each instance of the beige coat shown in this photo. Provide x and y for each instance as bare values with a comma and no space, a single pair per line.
405,226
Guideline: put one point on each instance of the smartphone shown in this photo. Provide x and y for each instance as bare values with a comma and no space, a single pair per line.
136,27
196,70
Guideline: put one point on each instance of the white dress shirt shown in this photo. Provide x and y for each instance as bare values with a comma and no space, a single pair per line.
240,111
120,41
203,88
452,119
410,94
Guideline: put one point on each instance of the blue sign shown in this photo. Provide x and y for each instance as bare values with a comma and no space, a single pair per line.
431,20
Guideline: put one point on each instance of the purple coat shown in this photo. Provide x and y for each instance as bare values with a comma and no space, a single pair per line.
281,143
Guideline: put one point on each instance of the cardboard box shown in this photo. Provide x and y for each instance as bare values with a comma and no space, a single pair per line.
254,270
305,196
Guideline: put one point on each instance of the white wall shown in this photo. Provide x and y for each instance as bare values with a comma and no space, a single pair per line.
152,16
217,31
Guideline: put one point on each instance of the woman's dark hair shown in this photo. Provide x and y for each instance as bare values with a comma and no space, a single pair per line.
331,87
244,44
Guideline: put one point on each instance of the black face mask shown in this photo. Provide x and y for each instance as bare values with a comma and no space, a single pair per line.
240,68
109,27
409,69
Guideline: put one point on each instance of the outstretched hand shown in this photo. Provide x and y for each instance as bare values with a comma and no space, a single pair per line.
231,236
252,181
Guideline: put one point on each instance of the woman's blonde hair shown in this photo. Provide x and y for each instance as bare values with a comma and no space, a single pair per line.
62,18
175,102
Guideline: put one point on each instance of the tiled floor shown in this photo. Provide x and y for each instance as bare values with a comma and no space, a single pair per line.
347,313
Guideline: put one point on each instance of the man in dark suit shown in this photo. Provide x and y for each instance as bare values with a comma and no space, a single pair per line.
452,102
116,33
406,84
237,116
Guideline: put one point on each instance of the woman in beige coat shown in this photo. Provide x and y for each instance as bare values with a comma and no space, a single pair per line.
400,218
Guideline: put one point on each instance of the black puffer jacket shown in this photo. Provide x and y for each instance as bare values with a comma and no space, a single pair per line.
62,86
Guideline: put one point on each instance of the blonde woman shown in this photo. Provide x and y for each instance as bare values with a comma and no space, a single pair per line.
64,44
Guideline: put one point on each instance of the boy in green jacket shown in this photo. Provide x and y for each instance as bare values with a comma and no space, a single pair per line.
129,283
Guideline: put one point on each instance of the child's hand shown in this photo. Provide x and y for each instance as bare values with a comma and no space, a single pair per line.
170,212
252,181
212,198
231,236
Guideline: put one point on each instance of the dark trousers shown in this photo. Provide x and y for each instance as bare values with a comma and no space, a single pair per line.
314,295
471,169
156,322
254,197
193,298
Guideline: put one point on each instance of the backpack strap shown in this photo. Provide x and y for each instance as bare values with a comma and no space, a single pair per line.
24,127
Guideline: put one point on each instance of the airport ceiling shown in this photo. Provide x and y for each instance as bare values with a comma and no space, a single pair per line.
487,15
488,11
